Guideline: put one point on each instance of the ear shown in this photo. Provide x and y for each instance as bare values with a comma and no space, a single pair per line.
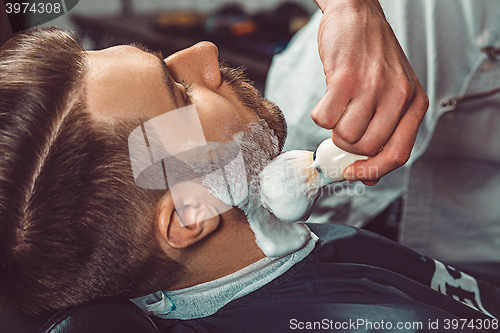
183,226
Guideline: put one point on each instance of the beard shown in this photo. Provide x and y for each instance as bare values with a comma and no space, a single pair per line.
253,101
251,150
263,140
259,144
234,180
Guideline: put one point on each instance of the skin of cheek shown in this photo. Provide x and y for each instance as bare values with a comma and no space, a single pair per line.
221,117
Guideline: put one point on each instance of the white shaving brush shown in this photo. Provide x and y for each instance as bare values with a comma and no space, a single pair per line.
290,184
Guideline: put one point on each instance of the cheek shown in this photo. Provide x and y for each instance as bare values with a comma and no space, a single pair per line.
221,119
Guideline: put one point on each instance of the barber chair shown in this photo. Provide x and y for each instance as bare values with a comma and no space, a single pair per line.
105,315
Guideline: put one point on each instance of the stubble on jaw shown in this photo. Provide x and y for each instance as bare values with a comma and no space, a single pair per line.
253,101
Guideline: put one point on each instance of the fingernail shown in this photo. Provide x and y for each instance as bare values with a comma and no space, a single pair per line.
349,174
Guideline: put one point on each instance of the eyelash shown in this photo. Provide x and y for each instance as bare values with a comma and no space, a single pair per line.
187,89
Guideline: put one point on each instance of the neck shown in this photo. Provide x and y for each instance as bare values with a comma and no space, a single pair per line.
229,249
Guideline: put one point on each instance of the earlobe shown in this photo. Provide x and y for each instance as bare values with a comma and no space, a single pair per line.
184,226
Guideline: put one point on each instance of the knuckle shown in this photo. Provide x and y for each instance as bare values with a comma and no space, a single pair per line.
349,136
406,91
322,120
418,109
423,102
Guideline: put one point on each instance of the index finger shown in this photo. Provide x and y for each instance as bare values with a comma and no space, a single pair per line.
330,108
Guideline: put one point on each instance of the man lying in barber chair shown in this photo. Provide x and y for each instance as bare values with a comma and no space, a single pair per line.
76,227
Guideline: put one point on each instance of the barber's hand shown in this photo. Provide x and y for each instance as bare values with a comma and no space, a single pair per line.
374,103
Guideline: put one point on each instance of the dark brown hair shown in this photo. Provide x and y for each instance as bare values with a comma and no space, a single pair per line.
73,224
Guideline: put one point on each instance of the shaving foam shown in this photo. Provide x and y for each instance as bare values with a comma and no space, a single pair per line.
258,146
274,237
291,183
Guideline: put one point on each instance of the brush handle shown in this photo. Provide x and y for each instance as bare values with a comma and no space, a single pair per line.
331,161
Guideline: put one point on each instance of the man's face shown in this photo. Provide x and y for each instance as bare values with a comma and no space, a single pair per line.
126,82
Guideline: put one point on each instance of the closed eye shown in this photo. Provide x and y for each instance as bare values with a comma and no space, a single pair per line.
187,92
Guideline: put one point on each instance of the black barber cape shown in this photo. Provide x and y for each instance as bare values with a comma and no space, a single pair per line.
357,281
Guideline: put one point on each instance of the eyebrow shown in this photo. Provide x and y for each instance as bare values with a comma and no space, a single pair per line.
167,76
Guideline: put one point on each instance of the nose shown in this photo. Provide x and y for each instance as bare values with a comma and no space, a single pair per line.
197,64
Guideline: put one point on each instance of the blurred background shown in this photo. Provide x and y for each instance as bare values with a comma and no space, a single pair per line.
248,33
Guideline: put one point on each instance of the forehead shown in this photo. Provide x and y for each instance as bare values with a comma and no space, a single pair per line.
123,81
